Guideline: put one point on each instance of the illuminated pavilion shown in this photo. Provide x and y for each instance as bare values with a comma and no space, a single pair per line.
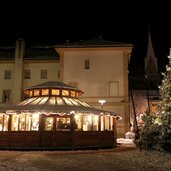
53,117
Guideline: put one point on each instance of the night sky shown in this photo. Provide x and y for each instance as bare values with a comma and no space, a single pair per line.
53,22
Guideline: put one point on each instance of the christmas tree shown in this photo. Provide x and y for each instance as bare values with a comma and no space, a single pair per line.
156,132
164,106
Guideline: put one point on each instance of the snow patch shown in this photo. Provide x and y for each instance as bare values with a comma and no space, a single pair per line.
124,141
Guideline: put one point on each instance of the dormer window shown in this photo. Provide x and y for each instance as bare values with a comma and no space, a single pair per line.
45,92
55,92
36,92
65,93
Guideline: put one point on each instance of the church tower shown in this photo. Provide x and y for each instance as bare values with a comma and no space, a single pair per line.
151,66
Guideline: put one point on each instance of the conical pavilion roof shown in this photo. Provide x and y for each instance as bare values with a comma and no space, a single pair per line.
53,84
53,104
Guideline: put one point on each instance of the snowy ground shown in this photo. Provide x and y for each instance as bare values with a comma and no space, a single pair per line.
125,141
125,159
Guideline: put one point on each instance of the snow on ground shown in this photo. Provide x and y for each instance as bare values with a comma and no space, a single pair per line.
125,141
129,160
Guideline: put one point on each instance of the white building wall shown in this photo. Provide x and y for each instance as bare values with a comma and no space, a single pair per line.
52,72
106,79
5,84
52,68
105,76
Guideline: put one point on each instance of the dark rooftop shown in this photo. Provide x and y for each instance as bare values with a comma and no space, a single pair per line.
41,53
8,53
99,42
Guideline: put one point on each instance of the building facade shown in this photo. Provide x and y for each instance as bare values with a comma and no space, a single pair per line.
21,67
99,68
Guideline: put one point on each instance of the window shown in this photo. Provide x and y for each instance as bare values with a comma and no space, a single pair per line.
111,123
7,74
78,122
6,96
22,122
4,122
65,93
63,124
36,92
14,124
25,122
48,124
102,123
55,92
95,122
30,93
87,122
27,74
35,122
58,74
43,74
87,64
106,123
72,93
45,92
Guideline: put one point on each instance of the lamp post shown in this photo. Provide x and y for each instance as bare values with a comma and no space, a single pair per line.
102,101
148,100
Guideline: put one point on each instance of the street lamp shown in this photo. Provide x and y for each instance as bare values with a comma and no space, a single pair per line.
102,101
148,100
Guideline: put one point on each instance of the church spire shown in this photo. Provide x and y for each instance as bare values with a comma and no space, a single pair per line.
151,65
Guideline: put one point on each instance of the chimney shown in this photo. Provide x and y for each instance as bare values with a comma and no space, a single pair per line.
19,48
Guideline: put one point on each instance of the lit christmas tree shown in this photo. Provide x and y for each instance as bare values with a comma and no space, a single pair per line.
165,90
156,132
165,107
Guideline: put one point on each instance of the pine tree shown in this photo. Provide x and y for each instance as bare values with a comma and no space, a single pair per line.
156,132
164,106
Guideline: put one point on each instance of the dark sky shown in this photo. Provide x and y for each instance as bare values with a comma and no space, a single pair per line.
54,22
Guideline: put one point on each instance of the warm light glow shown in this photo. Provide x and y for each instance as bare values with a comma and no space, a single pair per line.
36,92
45,92
55,92
118,117
102,101
65,93
72,93
72,112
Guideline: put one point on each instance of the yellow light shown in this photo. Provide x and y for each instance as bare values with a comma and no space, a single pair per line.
102,101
